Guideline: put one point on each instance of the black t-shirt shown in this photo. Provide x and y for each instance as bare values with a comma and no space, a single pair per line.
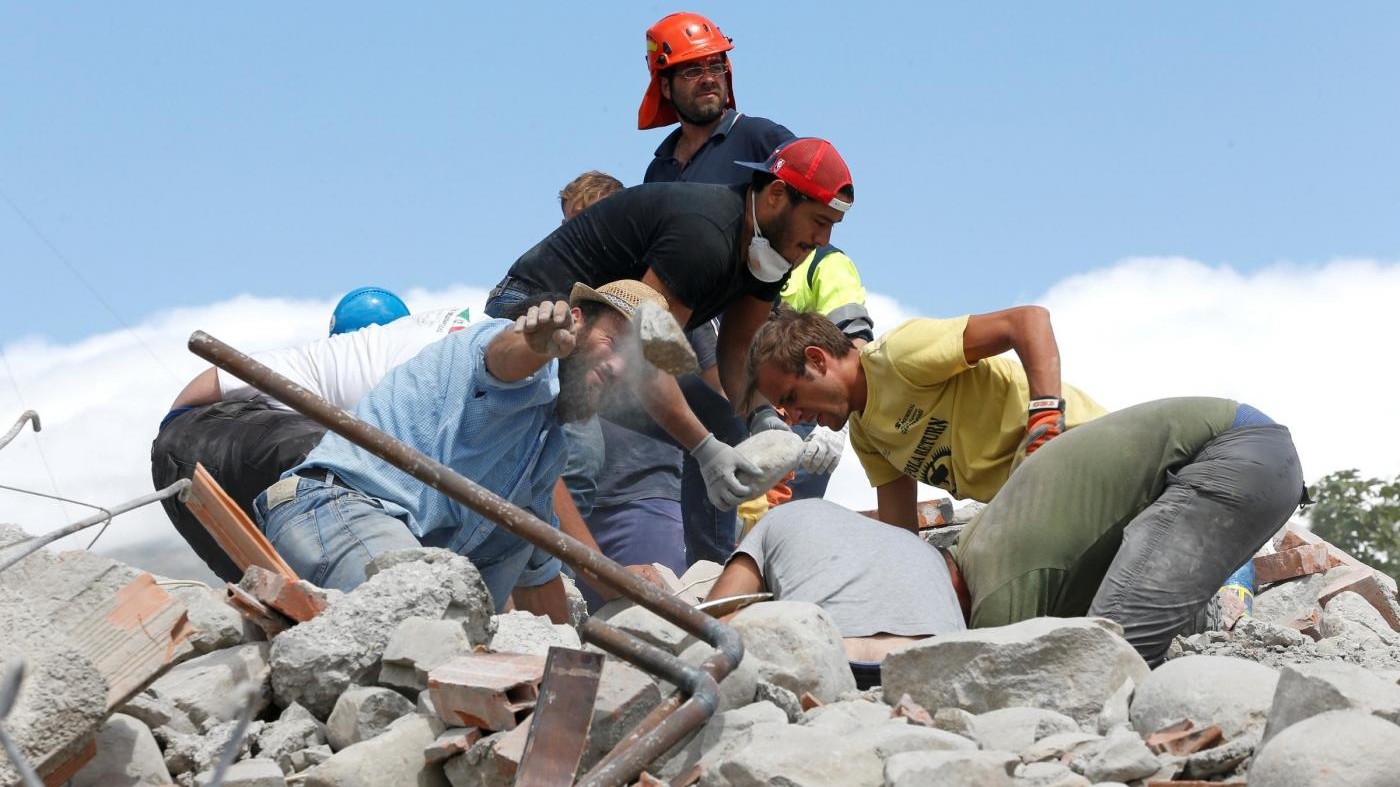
687,233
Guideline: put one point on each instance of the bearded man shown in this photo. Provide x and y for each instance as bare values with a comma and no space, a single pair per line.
488,402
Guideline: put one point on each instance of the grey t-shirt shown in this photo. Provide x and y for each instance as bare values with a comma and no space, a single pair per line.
870,577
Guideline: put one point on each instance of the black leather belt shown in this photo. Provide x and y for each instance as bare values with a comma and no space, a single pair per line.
322,474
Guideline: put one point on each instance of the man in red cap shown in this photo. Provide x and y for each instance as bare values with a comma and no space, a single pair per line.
711,251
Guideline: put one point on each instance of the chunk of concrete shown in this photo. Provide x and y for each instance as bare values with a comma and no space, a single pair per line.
1014,729
775,453
249,773
1049,774
724,734
699,579
894,737
1305,690
416,646
650,627
205,688
363,712
625,696
490,762
848,716
127,756
1061,745
1219,760
927,768
217,625
281,739
1068,665
1116,709
1335,748
1232,693
793,754
311,757
155,713
314,662
790,644
393,757
790,704
663,341
1122,758
521,632
199,753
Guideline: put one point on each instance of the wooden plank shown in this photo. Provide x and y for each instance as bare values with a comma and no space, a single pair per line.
240,539
563,715
134,638
67,769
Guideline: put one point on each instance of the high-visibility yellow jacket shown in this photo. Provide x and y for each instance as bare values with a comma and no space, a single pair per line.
828,282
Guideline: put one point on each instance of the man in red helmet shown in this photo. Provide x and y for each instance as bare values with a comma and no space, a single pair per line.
691,84
710,251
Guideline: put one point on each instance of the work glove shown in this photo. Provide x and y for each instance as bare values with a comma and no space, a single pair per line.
720,465
765,418
822,450
1045,419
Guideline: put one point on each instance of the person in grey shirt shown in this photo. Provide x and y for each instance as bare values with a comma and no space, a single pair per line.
883,586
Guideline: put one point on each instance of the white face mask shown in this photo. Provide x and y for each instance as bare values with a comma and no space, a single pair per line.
766,264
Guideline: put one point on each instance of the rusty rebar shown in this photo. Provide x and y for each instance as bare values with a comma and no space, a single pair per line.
28,416
657,733
595,567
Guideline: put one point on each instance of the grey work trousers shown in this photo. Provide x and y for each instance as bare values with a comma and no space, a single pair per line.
1214,514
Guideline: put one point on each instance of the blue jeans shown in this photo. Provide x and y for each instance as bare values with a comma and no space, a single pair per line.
641,532
328,534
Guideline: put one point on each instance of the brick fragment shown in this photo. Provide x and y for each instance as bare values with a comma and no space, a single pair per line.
1181,742
1306,621
1364,582
264,617
453,741
808,702
493,691
1295,536
1289,563
907,708
297,599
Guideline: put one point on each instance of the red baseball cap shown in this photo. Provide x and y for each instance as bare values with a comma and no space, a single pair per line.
812,166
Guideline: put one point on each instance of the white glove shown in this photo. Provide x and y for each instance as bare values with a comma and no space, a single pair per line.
720,466
822,450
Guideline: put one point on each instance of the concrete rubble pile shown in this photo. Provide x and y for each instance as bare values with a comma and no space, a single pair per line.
412,679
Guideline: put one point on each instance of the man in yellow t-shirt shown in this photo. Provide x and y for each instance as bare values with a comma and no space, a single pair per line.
929,401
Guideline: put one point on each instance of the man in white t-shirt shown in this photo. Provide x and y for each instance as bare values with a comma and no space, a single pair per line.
246,440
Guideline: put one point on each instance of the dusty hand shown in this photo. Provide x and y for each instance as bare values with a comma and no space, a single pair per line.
821,451
720,466
549,328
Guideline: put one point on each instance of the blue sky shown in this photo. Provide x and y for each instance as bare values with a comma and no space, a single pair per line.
181,154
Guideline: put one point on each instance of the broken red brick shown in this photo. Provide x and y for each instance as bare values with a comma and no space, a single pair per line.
907,708
234,532
647,780
1289,563
1180,742
1295,536
1364,582
493,691
454,741
269,620
808,702
299,600
1306,621
134,638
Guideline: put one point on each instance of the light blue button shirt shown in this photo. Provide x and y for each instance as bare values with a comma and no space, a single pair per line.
445,403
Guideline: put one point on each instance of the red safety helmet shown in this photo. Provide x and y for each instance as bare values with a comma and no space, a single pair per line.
676,39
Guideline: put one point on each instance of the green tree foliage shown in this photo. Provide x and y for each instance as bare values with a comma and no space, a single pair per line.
1361,516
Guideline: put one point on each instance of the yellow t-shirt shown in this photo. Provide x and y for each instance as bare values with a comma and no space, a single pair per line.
932,417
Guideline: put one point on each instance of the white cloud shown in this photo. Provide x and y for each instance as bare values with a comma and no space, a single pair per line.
1308,345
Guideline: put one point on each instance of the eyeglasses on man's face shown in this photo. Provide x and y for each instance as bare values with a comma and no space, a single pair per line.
692,73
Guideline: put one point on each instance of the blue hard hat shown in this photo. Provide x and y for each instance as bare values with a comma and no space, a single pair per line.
366,306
